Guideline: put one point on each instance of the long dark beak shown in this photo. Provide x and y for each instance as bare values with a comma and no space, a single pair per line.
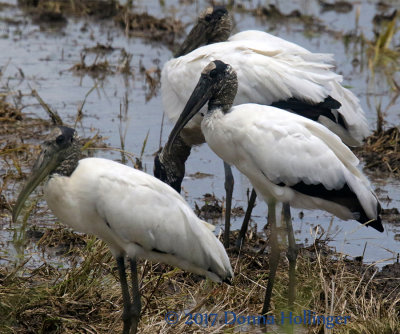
196,38
44,165
201,94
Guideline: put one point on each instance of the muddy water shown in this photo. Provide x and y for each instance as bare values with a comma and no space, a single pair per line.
41,57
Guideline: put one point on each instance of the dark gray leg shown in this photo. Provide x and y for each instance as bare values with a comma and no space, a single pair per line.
126,298
273,257
291,254
136,304
247,216
229,182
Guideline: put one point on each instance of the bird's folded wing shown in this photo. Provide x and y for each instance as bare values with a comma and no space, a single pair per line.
273,42
266,74
144,211
279,145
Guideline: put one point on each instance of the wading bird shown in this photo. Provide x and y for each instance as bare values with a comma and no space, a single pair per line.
287,158
137,215
270,71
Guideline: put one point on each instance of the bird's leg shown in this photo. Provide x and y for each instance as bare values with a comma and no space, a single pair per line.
229,182
136,304
126,298
273,256
245,224
291,254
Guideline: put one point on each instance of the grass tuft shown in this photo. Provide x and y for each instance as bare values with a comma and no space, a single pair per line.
86,297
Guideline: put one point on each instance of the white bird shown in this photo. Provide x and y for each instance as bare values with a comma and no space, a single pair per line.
286,157
270,71
137,215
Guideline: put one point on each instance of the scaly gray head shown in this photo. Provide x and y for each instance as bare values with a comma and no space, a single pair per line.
213,25
60,155
218,86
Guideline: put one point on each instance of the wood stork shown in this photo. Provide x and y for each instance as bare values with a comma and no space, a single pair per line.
271,71
287,158
136,214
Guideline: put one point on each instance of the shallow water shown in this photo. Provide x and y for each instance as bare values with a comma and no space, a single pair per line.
41,57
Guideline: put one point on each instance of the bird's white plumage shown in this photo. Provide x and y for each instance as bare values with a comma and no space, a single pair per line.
274,42
137,215
271,146
269,69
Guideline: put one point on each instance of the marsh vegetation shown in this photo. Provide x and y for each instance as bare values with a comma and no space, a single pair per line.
96,65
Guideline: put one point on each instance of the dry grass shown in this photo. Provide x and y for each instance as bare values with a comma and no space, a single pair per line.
56,12
99,69
50,300
381,152
153,78
8,113
18,135
86,297
148,26
48,8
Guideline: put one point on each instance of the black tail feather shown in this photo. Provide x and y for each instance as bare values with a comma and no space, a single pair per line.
344,196
313,111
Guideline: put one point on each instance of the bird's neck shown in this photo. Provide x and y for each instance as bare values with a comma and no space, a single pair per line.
220,33
170,166
213,106
224,98
69,164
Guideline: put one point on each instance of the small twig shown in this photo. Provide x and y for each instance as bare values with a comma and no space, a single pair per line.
3,69
152,292
144,144
80,113
123,111
161,130
365,247
55,118
15,270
